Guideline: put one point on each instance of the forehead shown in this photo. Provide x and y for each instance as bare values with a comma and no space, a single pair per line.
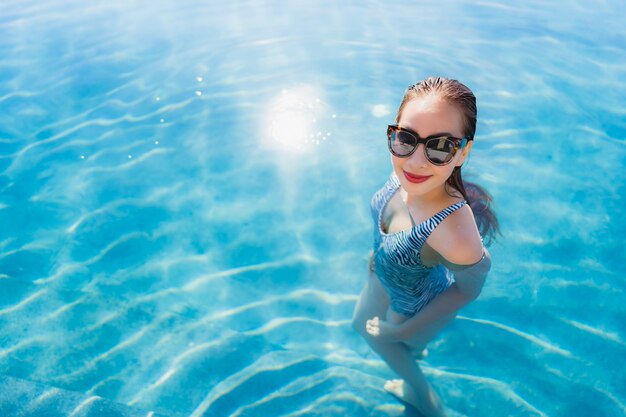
429,115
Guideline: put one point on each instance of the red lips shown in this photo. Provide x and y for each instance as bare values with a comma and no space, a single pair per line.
415,178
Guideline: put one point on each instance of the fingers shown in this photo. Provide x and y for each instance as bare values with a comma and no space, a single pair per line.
373,326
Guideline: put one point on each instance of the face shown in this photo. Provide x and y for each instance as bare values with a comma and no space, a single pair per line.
428,116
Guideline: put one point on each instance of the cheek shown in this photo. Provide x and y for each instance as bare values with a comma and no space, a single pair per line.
446,172
397,162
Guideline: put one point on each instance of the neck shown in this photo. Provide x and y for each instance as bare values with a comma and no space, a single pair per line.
433,198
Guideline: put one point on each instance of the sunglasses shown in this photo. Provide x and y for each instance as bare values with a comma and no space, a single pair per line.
439,150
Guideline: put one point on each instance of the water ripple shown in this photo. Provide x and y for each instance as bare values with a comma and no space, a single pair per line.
610,336
275,323
87,403
25,302
67,268
205,279
531,338
493,384
269,362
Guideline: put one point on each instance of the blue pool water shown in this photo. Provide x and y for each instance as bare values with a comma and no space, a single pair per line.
184,204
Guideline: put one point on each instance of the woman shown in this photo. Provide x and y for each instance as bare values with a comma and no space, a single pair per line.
429,260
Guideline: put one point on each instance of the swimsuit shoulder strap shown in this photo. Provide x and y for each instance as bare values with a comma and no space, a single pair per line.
429,225
391,186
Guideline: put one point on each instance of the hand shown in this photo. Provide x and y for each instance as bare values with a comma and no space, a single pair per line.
383,330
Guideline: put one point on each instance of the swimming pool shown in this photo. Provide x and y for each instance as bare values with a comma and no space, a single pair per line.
185,204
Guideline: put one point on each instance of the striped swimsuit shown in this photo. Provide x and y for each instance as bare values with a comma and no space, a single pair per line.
410,284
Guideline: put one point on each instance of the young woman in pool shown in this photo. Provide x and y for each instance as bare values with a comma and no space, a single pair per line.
429,260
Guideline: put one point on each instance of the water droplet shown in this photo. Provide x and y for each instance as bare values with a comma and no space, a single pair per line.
130,157
158,98
198,93
334,116
156,142
199,79
82,157
327,133
162,120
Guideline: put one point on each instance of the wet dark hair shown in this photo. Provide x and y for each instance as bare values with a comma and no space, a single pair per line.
476,196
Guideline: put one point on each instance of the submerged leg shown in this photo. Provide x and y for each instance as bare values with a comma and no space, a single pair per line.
415,389
417,347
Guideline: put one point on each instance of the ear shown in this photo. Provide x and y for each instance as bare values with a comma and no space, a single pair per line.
464,153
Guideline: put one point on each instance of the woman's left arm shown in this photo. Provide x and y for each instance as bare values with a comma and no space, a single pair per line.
469,280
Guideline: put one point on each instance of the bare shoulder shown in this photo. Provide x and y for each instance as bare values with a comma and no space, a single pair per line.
457,239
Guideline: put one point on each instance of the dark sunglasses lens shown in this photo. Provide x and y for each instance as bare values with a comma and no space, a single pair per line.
401,143
440,150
